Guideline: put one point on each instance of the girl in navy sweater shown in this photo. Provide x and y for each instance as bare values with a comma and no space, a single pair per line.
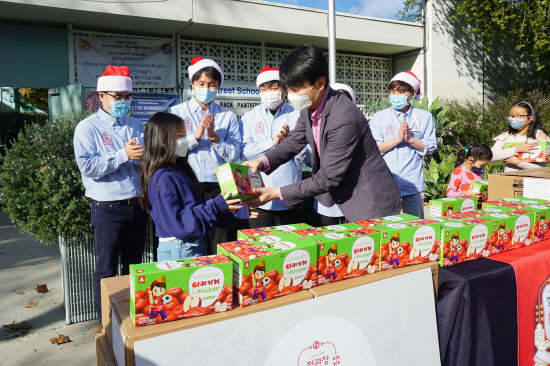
173,196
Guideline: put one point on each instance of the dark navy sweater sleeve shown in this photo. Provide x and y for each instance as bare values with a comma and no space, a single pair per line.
177,209
232,219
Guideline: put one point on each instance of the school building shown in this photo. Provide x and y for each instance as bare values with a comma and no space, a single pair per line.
44,44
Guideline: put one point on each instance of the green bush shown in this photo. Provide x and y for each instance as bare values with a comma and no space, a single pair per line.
40,185
477,123
438,173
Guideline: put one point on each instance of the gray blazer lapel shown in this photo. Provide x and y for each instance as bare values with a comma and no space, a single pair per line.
311,141
326,111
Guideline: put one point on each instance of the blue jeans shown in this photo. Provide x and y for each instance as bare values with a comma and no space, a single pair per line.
413,204
180,249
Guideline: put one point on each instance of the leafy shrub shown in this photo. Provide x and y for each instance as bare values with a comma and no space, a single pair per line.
372,106
40,185
480,124
438,174
438,109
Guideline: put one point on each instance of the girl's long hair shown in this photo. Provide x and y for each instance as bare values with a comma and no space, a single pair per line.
159,146
536,123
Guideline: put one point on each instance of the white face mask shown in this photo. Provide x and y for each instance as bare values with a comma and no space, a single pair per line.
301,102
271,99
181,147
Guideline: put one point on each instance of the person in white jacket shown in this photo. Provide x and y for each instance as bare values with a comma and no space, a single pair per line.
264,127
520,145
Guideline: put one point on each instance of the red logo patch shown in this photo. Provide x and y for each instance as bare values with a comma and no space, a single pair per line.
390,130
188,123
107,139
259,127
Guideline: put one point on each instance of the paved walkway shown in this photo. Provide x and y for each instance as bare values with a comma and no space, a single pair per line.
24,264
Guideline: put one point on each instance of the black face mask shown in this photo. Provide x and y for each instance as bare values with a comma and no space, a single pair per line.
478,171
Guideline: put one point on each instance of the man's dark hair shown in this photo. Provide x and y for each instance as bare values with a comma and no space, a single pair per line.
210,72
401,86
272,83
304,63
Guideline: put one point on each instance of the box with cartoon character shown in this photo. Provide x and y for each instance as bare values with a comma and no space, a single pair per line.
536,156
541,229
512,202
346,254
511,230
409,243
481,186
527,200
171,290
238,181
462,215
449,206
262,231
341,228
264,271
387,220
465,240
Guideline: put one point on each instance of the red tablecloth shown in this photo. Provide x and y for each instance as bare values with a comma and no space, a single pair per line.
532,269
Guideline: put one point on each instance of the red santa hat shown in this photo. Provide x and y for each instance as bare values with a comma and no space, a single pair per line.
115,79
267,74
411,79
199,63
338,86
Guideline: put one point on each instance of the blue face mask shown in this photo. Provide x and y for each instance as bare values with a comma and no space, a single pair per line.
478,171
398,101
205,95
516,124
119,108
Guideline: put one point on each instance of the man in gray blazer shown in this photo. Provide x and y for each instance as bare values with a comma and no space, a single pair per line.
347,165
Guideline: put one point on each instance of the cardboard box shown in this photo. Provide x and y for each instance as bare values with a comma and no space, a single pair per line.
173,290
387,220
537,188
346,255
112,290
263,272
350,227
124,334
449,206
238,181
535,156
511,230
359,281
409,243
465,240
510,184
262,231
104,356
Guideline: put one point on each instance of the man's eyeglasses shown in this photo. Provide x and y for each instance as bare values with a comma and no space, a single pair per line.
120,97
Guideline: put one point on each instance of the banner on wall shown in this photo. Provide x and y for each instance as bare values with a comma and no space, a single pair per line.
143,106
152,62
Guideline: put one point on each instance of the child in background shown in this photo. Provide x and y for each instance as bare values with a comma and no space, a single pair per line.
470,166
524,126
173,195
